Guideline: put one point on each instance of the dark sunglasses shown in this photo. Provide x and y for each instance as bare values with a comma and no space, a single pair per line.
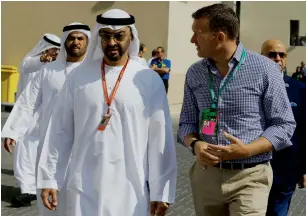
105,37
274,54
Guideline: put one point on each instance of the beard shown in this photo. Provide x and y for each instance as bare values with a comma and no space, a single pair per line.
74,52
113,53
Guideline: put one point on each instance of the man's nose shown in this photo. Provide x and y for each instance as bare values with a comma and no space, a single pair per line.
192,39
75,41
277,58
111,41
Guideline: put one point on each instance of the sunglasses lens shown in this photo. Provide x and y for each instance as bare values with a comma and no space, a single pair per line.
118,37
272,54
282,55
105,37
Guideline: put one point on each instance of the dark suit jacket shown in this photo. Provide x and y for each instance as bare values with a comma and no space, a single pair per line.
290,163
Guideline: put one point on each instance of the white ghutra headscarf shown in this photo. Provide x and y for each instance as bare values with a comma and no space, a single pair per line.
46,42
114,19
76,26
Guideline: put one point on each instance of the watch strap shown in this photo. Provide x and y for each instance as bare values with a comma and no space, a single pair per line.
192,144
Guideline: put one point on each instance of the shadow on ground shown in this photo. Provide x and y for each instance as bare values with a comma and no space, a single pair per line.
8,192
7,172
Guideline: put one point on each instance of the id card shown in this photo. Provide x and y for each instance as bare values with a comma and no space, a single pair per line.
209,127
104,122
209,121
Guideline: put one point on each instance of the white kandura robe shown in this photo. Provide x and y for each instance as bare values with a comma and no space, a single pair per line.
29,67
36,103
109,170
143,61
25,150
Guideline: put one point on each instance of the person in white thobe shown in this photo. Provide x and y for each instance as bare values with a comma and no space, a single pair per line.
44,52
125,167
142,50
41,93
25,152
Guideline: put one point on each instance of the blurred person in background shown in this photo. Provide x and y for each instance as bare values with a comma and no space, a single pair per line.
162,66
142,50
289,167
153,56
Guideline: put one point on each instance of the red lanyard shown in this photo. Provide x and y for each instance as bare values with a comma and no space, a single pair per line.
109,100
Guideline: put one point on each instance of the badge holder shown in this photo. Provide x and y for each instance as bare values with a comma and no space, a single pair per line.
105,119
209,121
104,122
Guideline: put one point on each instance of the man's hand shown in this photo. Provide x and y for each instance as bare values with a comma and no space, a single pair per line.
53,54
158,208
46,58
45,193
8,142
204,156
236,150
153,67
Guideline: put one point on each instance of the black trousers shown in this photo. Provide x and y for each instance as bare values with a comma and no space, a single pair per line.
166,84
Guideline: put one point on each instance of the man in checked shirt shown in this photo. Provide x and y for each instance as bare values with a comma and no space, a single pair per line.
235,112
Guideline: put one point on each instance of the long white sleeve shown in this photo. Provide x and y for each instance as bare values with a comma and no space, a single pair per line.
23,112
161,151
57,144
32,64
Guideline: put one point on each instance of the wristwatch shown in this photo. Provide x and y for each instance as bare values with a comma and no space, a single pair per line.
192,144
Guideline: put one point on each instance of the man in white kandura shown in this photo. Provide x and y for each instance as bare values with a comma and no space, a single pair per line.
41,93
25,152
44,52
112,117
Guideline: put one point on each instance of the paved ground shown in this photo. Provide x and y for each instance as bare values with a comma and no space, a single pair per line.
183,206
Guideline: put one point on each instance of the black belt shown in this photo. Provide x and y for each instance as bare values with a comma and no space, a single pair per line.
235,166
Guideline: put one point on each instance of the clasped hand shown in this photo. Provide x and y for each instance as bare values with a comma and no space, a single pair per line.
210,154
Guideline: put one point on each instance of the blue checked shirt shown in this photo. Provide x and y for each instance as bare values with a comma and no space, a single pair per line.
253,104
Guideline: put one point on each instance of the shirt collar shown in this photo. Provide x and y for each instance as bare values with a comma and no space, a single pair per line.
238,52
236,57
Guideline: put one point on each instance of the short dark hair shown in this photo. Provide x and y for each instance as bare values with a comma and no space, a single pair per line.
153,52
141,47
162,48
221,17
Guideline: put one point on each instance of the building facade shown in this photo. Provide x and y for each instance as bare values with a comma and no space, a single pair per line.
166,24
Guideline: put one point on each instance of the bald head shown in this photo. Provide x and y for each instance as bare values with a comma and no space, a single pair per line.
276,51
272,44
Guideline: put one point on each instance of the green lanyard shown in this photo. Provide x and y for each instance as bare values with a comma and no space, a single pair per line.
215,96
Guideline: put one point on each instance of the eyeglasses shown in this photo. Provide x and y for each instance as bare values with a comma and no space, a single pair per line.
105,37
280,54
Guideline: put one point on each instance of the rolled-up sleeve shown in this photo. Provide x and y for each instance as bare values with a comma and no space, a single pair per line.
189,118
278,112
